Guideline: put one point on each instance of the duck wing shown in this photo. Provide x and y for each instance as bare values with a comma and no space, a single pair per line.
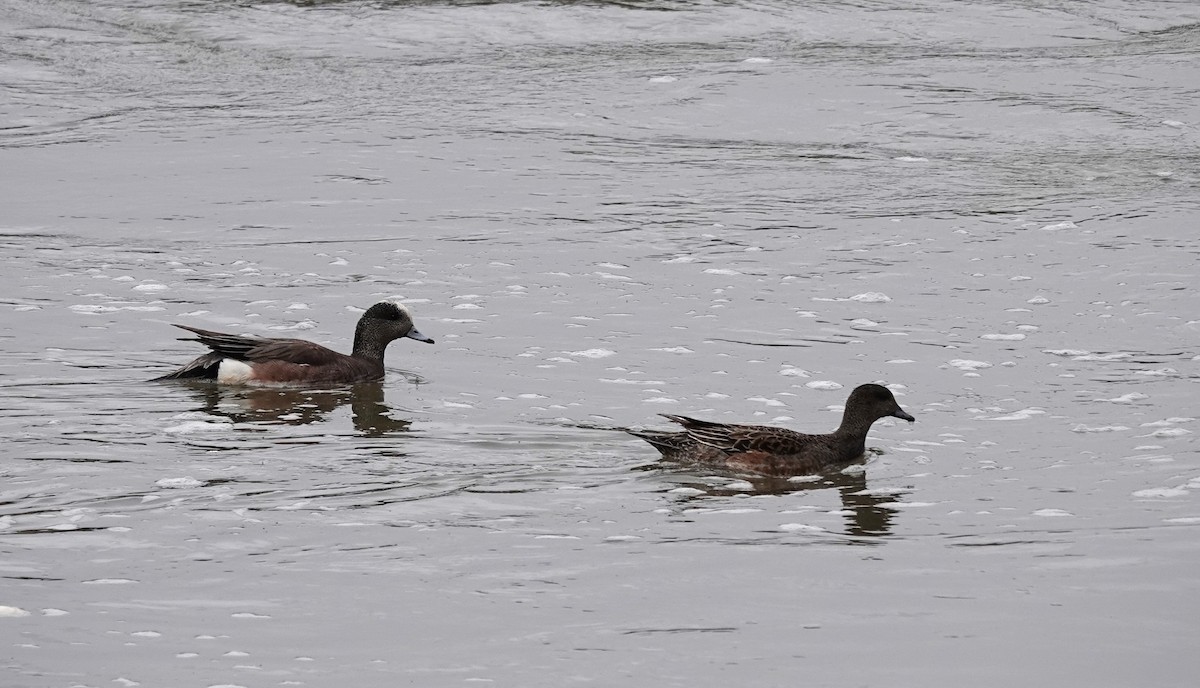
259,349
740,439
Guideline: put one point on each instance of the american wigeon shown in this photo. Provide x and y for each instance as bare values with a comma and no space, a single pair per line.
778,451
237,359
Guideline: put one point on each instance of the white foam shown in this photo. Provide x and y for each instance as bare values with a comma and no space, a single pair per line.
193,426
1162,492
1023,414
1066,352
592,353
800,528
1157,372
1103,357
1059,226
1127,398
968,365
12,612
1171,432
92,308
1099,428
825,385
765,400
881,491
1051,513
179,483
871,297
1002,337
612,276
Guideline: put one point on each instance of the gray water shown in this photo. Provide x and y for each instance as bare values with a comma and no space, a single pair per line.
601,211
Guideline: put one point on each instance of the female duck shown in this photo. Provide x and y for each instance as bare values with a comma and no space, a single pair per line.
778,451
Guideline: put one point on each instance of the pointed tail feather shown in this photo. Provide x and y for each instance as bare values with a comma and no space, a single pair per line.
205,367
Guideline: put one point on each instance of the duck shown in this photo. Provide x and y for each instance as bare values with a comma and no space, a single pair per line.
248,360
776,451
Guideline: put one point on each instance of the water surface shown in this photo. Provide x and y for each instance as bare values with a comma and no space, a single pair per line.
601,211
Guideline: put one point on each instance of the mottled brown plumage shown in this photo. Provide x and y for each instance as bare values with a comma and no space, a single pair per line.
297,361
778,451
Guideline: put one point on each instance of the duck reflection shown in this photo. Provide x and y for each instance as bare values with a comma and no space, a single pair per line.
862,510
369,411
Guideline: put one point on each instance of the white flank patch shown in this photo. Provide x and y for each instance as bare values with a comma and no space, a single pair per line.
233,372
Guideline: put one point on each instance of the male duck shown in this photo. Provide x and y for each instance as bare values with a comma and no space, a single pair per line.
237,359
778,451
